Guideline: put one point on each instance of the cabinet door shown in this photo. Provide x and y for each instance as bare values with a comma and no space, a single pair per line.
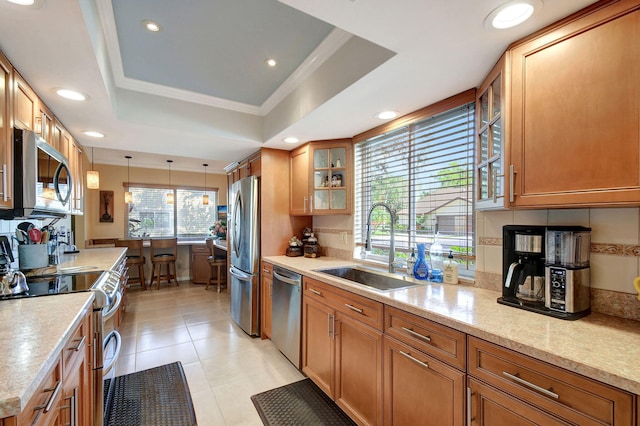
330,178
76,164
299,181
45,124
76,406
576,112
266,299
490,140
25,104
200,269
6,135
418,387
358,370
491,407
318,322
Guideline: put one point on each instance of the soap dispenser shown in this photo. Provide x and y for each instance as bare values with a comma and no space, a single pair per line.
450,270
421,269
437,262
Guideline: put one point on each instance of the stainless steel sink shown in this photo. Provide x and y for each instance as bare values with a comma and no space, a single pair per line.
378,280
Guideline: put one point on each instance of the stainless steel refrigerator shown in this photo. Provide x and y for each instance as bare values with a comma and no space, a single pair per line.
244,245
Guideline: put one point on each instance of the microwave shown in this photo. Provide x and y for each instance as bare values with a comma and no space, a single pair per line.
43,185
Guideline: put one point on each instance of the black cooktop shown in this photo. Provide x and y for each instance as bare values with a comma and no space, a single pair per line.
57,284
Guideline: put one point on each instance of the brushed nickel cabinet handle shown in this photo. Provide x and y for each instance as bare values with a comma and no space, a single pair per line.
353,308
49,402
265,271
304,204
512,179
418,335
523,382
311,204
81,341
4,182
316,292
424,364
468,406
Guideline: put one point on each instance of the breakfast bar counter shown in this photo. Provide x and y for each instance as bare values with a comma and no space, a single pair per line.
601,347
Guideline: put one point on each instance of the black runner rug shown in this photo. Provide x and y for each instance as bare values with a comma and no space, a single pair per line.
298,403
155,397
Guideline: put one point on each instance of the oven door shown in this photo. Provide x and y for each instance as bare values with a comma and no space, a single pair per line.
112,342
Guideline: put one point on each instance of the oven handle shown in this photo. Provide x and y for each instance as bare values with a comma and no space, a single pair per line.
114,308
113,335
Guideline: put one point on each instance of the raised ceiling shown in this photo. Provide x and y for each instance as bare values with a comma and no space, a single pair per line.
199,89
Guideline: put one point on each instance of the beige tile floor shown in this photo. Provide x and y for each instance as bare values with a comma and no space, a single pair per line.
223,365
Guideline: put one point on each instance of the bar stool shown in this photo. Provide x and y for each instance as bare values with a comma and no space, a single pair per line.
135,258
164,251
218,273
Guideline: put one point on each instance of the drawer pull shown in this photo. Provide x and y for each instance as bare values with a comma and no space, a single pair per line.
77,347
418,335
424,364
353,308
316,292
265,271
544,391
54,392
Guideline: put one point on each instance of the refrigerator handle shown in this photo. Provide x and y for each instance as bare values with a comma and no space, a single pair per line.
239,274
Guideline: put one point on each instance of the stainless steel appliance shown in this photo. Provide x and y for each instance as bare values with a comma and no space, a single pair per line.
567,272
286,313
106,345
244,246
42,180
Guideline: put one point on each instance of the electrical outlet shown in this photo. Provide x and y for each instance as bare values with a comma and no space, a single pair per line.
343,238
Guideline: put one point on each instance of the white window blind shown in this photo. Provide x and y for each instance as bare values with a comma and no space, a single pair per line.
424,172
149,216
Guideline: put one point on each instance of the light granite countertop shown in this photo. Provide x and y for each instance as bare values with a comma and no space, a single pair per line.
34,331
601,347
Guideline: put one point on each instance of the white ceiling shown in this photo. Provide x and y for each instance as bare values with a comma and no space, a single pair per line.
198,91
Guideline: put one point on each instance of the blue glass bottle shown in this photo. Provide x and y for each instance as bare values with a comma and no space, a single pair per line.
421,269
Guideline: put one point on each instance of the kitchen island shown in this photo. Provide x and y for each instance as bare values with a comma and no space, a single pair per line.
601,347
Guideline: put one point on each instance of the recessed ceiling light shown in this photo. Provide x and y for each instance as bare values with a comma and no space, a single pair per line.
511,13
291,140
387,115
271,62
151,25
71,94
94,134
22,2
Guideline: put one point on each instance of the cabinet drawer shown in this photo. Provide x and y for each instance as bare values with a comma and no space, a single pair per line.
575,398
42,408
355,306
200,249
77,345
442,342
267,270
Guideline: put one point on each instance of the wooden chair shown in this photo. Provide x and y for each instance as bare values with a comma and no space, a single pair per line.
218,273
164,251
135,258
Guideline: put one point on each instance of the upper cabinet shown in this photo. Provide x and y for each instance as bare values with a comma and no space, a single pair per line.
25,104
575,111
321,178
490,140
76,165
6,135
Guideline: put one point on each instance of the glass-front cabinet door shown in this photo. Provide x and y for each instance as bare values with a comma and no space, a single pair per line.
330,178
490,183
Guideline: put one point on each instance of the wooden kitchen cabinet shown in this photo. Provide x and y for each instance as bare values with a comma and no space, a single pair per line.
77,378
25,105
6,134
266,292
568,397
76,164
575,111
321,178
490,146
45,124
342,351
200,268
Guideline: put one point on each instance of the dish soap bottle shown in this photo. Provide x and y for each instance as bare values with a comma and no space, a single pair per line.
420,269
437,261
450,270
411,262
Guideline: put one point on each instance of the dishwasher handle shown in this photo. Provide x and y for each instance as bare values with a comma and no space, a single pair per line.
286,280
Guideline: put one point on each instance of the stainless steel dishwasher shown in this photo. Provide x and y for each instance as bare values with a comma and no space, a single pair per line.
286,313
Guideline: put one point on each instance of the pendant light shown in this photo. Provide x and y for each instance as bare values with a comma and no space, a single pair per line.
93,177
205,197
170,194
128,196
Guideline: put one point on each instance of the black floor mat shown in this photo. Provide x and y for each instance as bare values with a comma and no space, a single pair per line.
299,403
155,397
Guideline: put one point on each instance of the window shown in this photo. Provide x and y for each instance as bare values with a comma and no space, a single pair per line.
423,170
149,216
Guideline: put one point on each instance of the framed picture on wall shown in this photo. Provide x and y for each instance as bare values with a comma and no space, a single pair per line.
106,206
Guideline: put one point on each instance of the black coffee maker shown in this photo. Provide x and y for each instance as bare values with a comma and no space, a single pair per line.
523,271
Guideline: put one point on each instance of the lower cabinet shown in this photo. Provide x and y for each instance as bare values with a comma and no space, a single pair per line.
266,291
342,354
42,408
200,268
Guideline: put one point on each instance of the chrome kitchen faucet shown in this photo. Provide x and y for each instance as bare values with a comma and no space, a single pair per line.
392,245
